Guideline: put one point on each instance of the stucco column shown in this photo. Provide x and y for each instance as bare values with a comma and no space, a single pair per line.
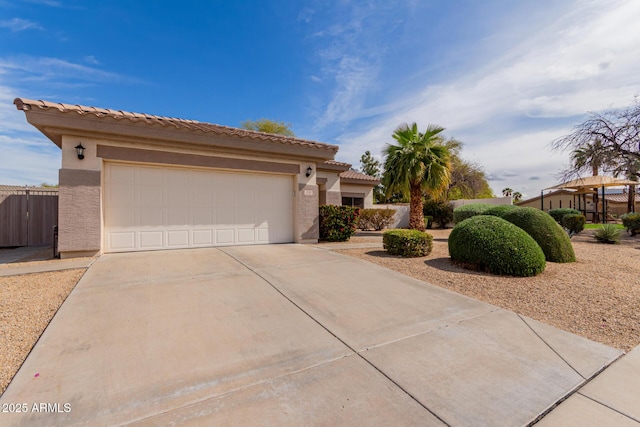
79,211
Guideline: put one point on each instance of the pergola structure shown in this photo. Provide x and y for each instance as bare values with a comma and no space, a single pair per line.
590,185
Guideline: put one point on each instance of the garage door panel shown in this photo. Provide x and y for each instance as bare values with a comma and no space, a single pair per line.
150,196
246,235
148,176
225,236
122,240
150,207
203,238
177,238
177,216
151,239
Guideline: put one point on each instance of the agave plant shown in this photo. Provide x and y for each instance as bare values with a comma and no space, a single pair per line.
607,233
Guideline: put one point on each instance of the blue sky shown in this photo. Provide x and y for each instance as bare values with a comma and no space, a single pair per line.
504,77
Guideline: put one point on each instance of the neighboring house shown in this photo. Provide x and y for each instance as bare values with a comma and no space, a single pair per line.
616,201
147,182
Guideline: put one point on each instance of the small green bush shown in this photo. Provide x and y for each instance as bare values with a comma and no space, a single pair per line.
490,243
631,221
375,219
338,223
467,211
500,210
441,211
574,223
553,240
428,221
558,214
607,233
407,243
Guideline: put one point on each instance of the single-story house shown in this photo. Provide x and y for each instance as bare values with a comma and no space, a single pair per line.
616,201
138,182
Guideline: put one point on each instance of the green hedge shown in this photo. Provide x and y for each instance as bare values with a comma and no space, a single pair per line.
553,240
500,210
490,243
337,223
375,219
558,214
467,211
574,223
407,243
631,221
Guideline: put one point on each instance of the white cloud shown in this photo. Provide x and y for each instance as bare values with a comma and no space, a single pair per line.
18,24
509,109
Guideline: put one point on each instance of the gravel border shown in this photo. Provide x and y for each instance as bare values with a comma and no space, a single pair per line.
27,305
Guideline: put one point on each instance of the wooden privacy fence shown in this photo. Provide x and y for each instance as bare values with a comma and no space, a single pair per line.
27,216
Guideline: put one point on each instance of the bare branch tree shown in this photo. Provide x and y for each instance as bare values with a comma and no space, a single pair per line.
610,138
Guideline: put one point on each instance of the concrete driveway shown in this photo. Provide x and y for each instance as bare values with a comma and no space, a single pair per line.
288,335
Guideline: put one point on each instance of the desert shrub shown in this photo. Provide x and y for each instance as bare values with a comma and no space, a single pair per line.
553,240
558,214
337,223
490,243
407,243
428,221
500,210
375,219
574,223
467,211
631,221
441,211
607,233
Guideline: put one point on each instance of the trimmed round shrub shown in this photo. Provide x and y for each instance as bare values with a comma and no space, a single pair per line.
467,211
407,243
631,221
574,223
490,243
500,210
553,240
560,213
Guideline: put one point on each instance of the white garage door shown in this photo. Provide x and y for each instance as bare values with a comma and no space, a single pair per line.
150,208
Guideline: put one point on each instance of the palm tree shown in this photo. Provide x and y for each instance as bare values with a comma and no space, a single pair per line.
517,196
507,192
418,163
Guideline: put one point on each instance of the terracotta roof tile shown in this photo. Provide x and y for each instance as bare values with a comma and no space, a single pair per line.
336,163
620,198
350,174
189,125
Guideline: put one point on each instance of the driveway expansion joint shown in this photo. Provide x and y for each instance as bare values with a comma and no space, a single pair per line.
608,407
405,391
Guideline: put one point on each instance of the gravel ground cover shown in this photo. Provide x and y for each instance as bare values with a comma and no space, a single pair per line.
27,305
597,297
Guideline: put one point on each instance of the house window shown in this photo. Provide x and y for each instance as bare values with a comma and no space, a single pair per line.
550,205
357,202
560,204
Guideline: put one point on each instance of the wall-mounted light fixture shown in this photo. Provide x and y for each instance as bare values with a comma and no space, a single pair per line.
309,170
80,151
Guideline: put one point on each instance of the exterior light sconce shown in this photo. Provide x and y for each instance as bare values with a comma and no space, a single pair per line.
309,170
80,151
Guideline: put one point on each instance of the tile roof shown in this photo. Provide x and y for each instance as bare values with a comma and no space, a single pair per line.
151,120
336,163
355,175
620,198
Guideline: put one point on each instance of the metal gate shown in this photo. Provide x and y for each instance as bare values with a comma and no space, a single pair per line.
27,216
